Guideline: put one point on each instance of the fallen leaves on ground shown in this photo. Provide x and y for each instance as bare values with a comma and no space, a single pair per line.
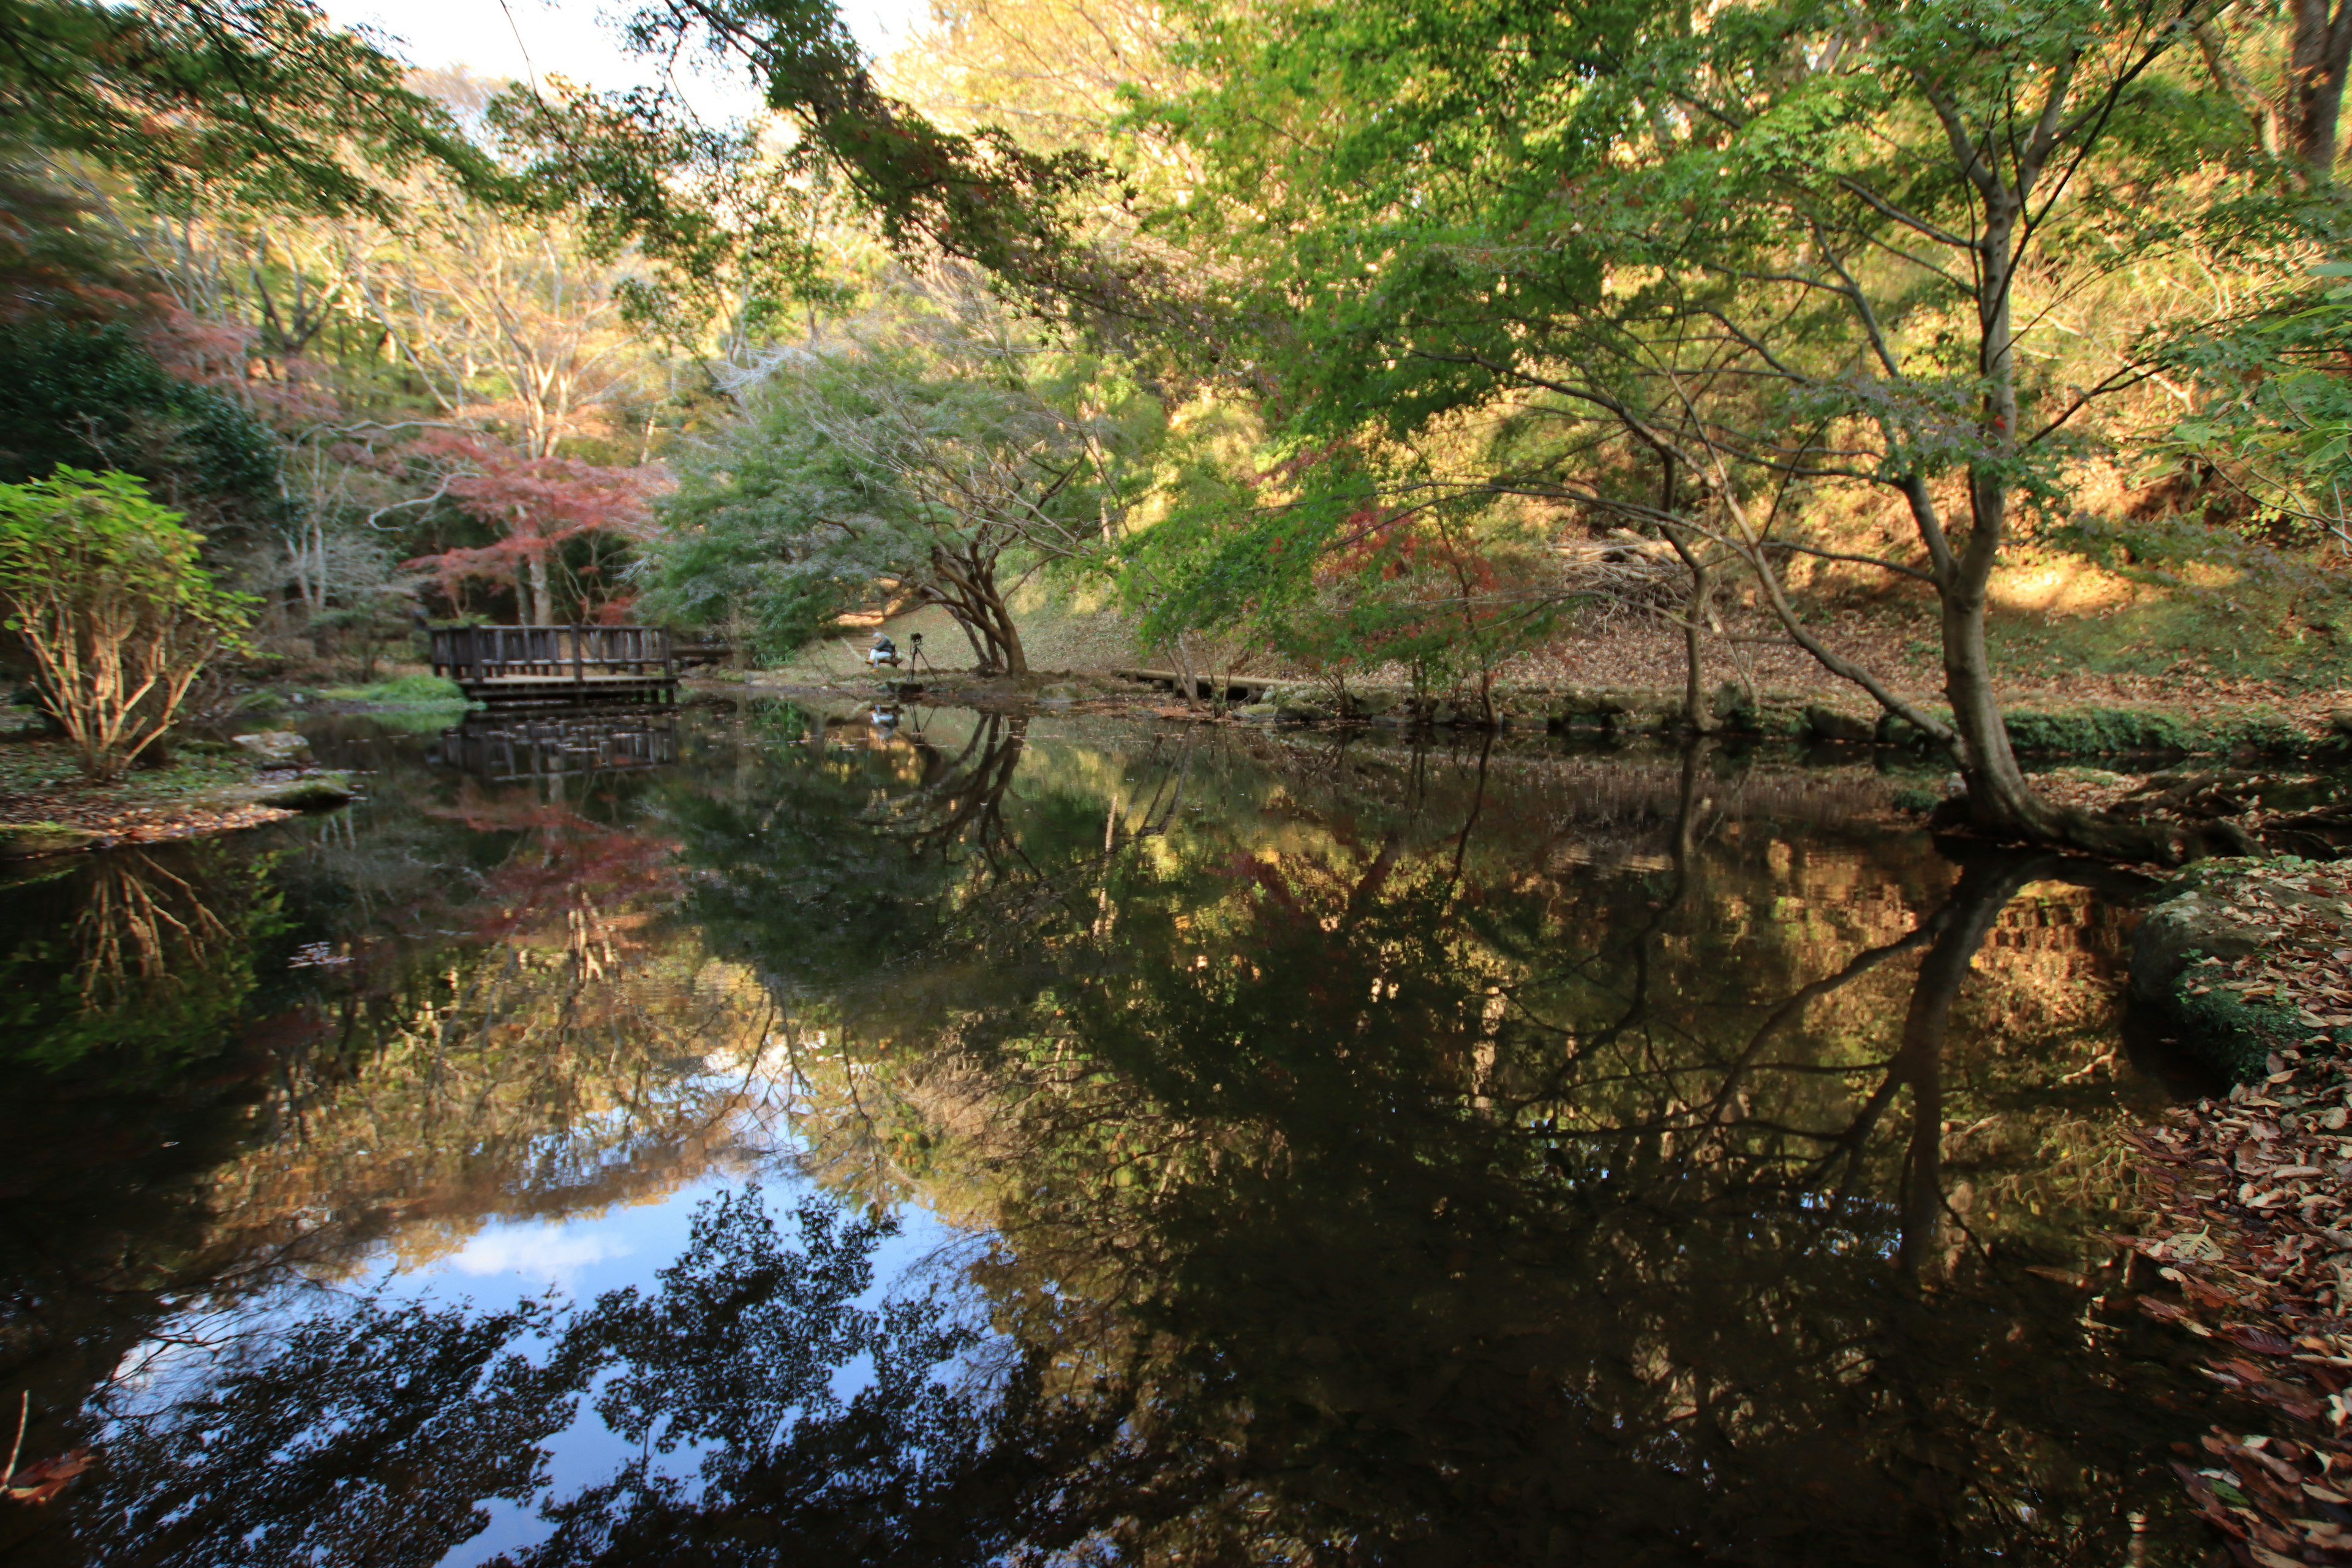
39,783
2251,1233
2087,789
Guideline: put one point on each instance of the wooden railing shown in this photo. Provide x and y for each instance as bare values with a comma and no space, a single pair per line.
547,652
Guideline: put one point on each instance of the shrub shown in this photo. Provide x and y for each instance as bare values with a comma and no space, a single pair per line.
105,588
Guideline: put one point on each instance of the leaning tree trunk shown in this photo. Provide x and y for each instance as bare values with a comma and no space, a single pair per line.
966,588
2000,801
1008,635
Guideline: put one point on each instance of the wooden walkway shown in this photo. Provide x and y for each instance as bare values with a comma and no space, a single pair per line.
1237,689
558,664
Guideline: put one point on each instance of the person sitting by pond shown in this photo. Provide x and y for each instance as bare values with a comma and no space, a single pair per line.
883,652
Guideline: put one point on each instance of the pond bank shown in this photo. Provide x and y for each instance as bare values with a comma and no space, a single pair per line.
49,807
2249,1235
2262,724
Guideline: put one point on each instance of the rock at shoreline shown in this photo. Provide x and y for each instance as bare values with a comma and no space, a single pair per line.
317,792
1829,724
278,748
23,840
2224,917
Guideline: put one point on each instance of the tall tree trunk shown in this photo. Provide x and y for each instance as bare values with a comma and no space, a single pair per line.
1998,796
2314,85
543,602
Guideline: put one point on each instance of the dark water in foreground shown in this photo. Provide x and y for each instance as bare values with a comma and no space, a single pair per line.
747,1138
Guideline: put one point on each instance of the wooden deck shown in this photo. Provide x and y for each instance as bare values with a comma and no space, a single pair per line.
558,664
1237,689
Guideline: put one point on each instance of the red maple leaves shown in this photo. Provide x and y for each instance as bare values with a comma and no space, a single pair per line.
539,505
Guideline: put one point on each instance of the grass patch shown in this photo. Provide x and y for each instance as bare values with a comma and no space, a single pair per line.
2206,597
402,691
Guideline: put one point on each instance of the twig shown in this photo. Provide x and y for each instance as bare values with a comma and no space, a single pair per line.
23,1413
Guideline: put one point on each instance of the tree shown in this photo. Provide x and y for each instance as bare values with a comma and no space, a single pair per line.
944,461
1791,255
105,589
2276,419
504,320
258,100
2301,119
717,212
538,506
97,368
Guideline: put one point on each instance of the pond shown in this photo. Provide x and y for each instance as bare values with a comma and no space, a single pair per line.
761,1134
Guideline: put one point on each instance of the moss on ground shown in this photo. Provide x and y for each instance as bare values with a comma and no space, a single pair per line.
2128,731
2229,1033
2236,960
46,767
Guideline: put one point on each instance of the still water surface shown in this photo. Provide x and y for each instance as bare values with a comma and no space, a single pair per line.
759,1136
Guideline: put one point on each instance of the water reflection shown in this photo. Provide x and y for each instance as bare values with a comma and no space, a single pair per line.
507,747
1371,1155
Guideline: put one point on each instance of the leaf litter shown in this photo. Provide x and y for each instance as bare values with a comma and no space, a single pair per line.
2251,1235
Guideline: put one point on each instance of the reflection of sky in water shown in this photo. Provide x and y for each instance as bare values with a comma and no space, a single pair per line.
585,1255
576,1258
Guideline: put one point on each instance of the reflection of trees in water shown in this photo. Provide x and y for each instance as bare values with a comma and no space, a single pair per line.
117,1007
526,1039
571,1050
1383,1173
780,1418
156,951
1490,1214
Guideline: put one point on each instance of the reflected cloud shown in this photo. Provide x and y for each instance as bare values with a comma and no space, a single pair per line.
552,1254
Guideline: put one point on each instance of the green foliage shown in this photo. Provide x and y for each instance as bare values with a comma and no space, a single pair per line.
78,533
938,461
1694,279
105,588
90,394
402,691
259,102
724,226
2277,418
722,217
